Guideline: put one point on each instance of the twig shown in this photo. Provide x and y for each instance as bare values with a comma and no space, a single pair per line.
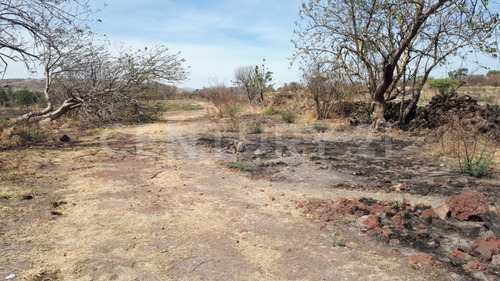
198,265
155,174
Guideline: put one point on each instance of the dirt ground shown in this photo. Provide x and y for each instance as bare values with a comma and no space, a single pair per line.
158,202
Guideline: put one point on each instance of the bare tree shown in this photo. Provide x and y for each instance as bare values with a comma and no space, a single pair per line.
380,43
23,25
254,80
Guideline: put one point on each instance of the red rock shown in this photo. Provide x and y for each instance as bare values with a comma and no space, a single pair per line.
406,201
458,254
410,208
343,206
467,204
386,179
422,259
379,209
474,265
371,221
430,213
398,219
400,228
374,231
485,249
491,277
404,186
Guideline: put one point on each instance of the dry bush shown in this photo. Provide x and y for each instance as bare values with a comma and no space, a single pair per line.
472,151
227,101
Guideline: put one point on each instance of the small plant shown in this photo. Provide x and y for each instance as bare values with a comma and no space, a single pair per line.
243,166
477,166
272,111
320,128
339,242
184,107
288,117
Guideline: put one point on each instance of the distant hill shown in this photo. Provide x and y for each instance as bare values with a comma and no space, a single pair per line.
35,85
189,89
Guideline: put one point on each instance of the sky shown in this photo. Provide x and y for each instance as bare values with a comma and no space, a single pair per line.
215,37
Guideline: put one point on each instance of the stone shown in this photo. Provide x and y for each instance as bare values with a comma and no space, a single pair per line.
64,138
485,248
474,265
258,153
422,259
371,221
492,221
430,213
442,211
458,254
386,179
239,147
467,205
343,206
495,260
398,219
379,209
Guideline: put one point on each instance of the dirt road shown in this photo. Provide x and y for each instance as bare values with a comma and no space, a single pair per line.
147,203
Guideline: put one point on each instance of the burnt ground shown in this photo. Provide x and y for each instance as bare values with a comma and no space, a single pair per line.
362,163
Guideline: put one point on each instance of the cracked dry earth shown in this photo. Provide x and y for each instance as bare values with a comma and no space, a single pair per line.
147,203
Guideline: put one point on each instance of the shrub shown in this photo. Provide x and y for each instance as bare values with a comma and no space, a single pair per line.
339,242
243,166
227,101
289,117
477,166
320,127
272,111
473,152
27,97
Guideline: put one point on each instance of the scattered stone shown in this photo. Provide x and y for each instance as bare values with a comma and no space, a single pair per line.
386,179
495,260
410,208
64,138
343,206
492,221
474,265
371,221
379,209
442,211
422,259
27,196
485,249
430,213
10,277
458,254
467,205
258,153
398,219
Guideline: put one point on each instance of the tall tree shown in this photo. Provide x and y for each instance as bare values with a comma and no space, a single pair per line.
388,44
254,80
24,24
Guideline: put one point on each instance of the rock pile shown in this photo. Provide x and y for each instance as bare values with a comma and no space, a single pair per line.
427,230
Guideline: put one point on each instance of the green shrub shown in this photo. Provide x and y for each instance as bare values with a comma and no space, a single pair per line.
27,97
339,242
272,111
320,128
477,166
243,166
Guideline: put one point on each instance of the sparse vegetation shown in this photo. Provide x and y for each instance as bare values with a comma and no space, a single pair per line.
339,242
320,127
244,166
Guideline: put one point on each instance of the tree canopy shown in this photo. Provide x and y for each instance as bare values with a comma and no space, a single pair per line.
382,43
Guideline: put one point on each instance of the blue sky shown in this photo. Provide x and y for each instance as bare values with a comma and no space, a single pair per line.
215,37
